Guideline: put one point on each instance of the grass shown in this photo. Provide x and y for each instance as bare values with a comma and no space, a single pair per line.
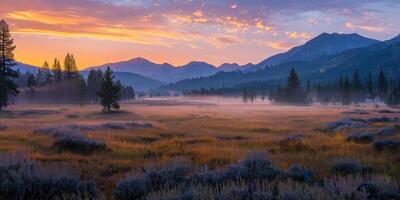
205,134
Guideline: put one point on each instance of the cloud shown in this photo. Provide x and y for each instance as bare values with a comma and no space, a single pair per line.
369,28
295,35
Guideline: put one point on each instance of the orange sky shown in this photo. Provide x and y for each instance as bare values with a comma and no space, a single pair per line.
177,32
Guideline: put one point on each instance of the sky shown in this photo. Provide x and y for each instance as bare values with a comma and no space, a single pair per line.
180,31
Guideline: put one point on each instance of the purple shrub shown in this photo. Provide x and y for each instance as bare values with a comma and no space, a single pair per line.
388,145
299,173
254,167
79,144
207,178
131,189
2,127
380,120
361,138
22,179
347,166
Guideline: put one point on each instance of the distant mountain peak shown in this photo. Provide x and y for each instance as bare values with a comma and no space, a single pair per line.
322,45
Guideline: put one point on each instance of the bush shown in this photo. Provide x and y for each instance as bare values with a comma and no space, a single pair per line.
131,188
361,138
380,119
207,178
79,144
345,124
254,167
346,167
389,145
299,173
24,179
3,127
386,131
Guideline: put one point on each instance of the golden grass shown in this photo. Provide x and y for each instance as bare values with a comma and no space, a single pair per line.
209,134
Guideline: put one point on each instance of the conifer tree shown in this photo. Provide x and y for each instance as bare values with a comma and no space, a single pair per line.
31,84
48,76
57,71
109,92
357,87
7,86
70,68
370,87
346,96
382,85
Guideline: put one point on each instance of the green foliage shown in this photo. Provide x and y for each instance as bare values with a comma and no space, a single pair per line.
292,93
110,91
7,74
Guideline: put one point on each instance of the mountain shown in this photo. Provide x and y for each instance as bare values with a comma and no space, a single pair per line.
161,72
325,68
228,67
138,82
25,67
192,70
142,67
323,45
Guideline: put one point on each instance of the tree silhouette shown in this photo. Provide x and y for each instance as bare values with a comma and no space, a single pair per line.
70,68
382,85
109,92
57,71
7,74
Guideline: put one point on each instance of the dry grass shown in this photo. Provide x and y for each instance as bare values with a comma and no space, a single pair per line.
211,133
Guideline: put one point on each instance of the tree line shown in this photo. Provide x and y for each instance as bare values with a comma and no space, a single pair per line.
56,84
344,91
65,84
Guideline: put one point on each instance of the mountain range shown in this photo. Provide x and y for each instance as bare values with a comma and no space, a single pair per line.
166,72
321,59
369,56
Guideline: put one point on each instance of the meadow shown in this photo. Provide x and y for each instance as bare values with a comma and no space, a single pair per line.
212,135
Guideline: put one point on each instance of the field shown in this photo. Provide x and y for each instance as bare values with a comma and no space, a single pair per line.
206,133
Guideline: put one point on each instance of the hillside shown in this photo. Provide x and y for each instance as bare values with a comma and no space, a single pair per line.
383,55
323,45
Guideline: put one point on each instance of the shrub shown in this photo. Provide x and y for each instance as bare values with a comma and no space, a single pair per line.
299,173
255,166
207,178
380,119
22,179
389,145
79,144
361,138
347,166
131,188
3,127
345,124
386,131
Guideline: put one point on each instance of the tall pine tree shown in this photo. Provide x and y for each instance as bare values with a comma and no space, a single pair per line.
70,68
7,73
110,91
382,85
57,71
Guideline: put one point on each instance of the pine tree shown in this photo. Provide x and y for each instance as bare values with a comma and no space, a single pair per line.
48,76
82,90
70,69
370,87
293,83
31,84
357,87
57,71
382,85
7,86
346,96
109,92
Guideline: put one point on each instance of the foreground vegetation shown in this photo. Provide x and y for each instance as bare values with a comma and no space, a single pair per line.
218,149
